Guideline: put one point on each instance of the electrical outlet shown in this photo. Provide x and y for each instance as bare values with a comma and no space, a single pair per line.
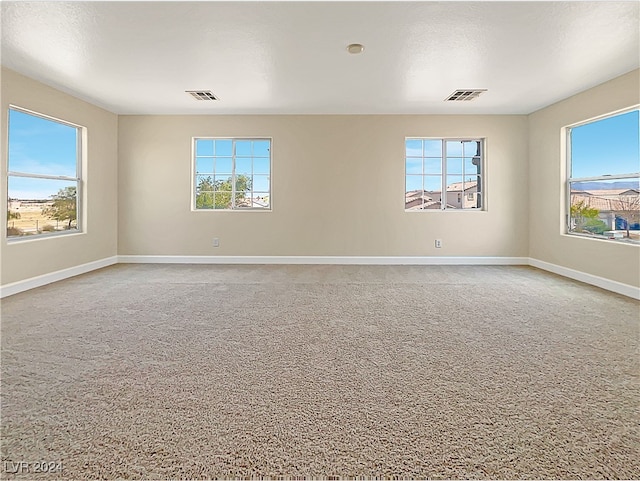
438,243
216,242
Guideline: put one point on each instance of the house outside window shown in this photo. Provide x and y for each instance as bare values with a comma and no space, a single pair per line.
454,167
231,174
603,181
44,176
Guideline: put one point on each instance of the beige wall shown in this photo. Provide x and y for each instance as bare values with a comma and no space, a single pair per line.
25,259
337,188
615,261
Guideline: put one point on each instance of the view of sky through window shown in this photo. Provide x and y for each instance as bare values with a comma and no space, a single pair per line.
39,146
608,146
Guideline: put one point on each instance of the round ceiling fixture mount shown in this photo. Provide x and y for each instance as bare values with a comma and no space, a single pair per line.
355,48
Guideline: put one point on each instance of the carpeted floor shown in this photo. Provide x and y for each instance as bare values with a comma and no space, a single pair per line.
192,371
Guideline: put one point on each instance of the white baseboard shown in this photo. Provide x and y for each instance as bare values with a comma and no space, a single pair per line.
340,260
614,286
33,282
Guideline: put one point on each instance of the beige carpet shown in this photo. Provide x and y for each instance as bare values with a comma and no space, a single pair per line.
176,372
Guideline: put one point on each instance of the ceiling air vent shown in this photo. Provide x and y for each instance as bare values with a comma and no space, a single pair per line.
201,94
464,95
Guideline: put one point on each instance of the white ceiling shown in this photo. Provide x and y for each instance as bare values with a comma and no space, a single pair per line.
290,57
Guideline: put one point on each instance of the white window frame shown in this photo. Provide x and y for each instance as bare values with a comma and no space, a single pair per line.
483,177
605,177
80,135
234,208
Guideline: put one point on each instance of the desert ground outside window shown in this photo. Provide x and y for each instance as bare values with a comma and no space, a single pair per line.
444,174
603,178
231,174
44,176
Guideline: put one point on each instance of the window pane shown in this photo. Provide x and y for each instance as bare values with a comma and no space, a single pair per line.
204,200
41,146
204,165
472,148
414,166
36,206
454,148
204,147
433,148
454,166
243,148
243,183
261,183
222,200
432,166
223,182
473,181
223,148
243,200
243,166
260,166
224,165
606,209
433,183
414,199
261,148
454,183
414,182
413,148
261,199
204,183
472,165
608,146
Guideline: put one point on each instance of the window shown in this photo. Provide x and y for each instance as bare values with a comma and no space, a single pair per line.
232,174
452,166
44,175
603,181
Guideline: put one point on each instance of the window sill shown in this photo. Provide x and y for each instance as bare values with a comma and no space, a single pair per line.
231,210
39,237
410,211
624,241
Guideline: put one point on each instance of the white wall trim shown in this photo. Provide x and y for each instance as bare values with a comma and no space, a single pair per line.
341,260
33,282
608,284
